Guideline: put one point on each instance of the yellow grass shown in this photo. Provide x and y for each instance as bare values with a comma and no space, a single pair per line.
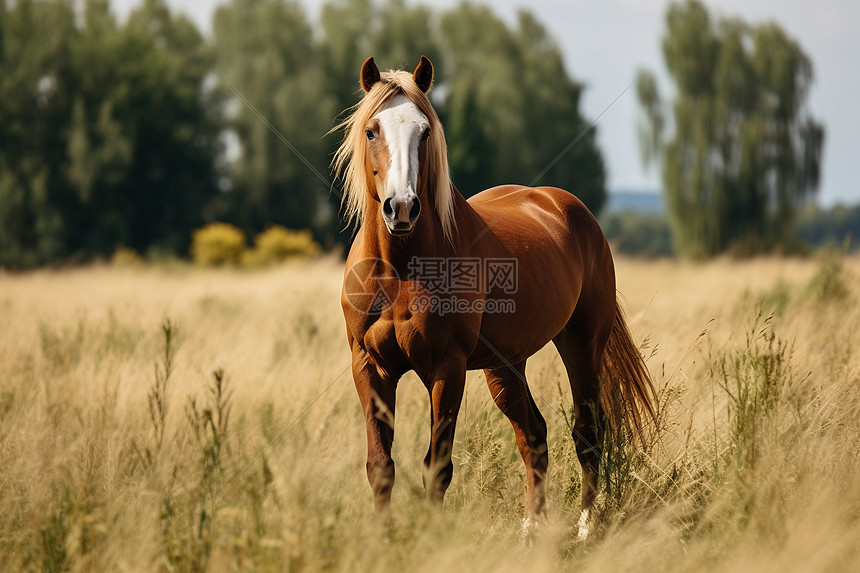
769,482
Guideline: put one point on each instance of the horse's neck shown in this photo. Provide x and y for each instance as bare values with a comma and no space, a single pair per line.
469,225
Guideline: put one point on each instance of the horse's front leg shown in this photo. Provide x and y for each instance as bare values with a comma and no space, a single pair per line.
446,393
377,393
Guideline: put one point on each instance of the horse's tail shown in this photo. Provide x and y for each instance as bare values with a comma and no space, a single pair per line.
628,394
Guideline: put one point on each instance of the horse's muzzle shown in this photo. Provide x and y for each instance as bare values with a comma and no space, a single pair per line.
400,214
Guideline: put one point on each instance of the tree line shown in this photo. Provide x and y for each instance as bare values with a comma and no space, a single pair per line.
131,134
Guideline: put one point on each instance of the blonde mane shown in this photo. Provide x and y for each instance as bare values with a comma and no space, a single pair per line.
349,161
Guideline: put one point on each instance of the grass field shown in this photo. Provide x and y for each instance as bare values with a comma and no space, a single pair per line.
134,403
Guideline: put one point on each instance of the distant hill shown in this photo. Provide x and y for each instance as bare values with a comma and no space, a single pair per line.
636,223
646,202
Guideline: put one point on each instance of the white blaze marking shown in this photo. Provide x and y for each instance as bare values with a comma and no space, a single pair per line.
402,123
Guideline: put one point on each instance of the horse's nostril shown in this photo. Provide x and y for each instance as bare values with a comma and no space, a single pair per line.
388,209
415,210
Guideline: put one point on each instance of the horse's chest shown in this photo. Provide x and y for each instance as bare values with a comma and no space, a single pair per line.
400,346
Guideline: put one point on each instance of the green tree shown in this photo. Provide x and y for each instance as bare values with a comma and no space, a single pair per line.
35,71
265,50
163,99
744,151
106,137
395,34
511,108
348,31
148,140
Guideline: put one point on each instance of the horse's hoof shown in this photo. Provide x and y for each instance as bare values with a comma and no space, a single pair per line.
528,532
584,526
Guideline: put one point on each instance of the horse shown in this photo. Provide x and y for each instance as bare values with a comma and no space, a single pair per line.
439,285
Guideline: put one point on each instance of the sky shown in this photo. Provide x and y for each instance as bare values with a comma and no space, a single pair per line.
605,42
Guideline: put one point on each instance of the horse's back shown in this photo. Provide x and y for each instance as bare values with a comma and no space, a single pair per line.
501,196
547,205
534,213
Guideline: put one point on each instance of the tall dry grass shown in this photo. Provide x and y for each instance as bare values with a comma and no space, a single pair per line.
135,404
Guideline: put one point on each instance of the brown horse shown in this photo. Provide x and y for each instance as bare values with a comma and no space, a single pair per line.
441,285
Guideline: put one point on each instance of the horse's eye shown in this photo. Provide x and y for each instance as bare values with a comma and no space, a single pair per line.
369,134
426,134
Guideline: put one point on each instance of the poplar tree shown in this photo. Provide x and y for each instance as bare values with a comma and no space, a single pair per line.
739,149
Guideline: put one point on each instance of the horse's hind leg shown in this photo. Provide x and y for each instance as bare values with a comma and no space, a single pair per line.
582,362
511,394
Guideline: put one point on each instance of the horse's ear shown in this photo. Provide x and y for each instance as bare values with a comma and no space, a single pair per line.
369,74
423,74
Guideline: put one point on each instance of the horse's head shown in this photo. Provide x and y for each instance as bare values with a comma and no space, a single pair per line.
394,151
397,136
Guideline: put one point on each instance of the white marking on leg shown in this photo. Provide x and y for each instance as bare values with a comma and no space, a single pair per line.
583,525
528,532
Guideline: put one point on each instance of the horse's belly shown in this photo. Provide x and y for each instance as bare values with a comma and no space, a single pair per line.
512,333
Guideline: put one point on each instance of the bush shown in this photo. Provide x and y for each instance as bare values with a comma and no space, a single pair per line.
217,244
829,284
126,257
638,234
277,244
